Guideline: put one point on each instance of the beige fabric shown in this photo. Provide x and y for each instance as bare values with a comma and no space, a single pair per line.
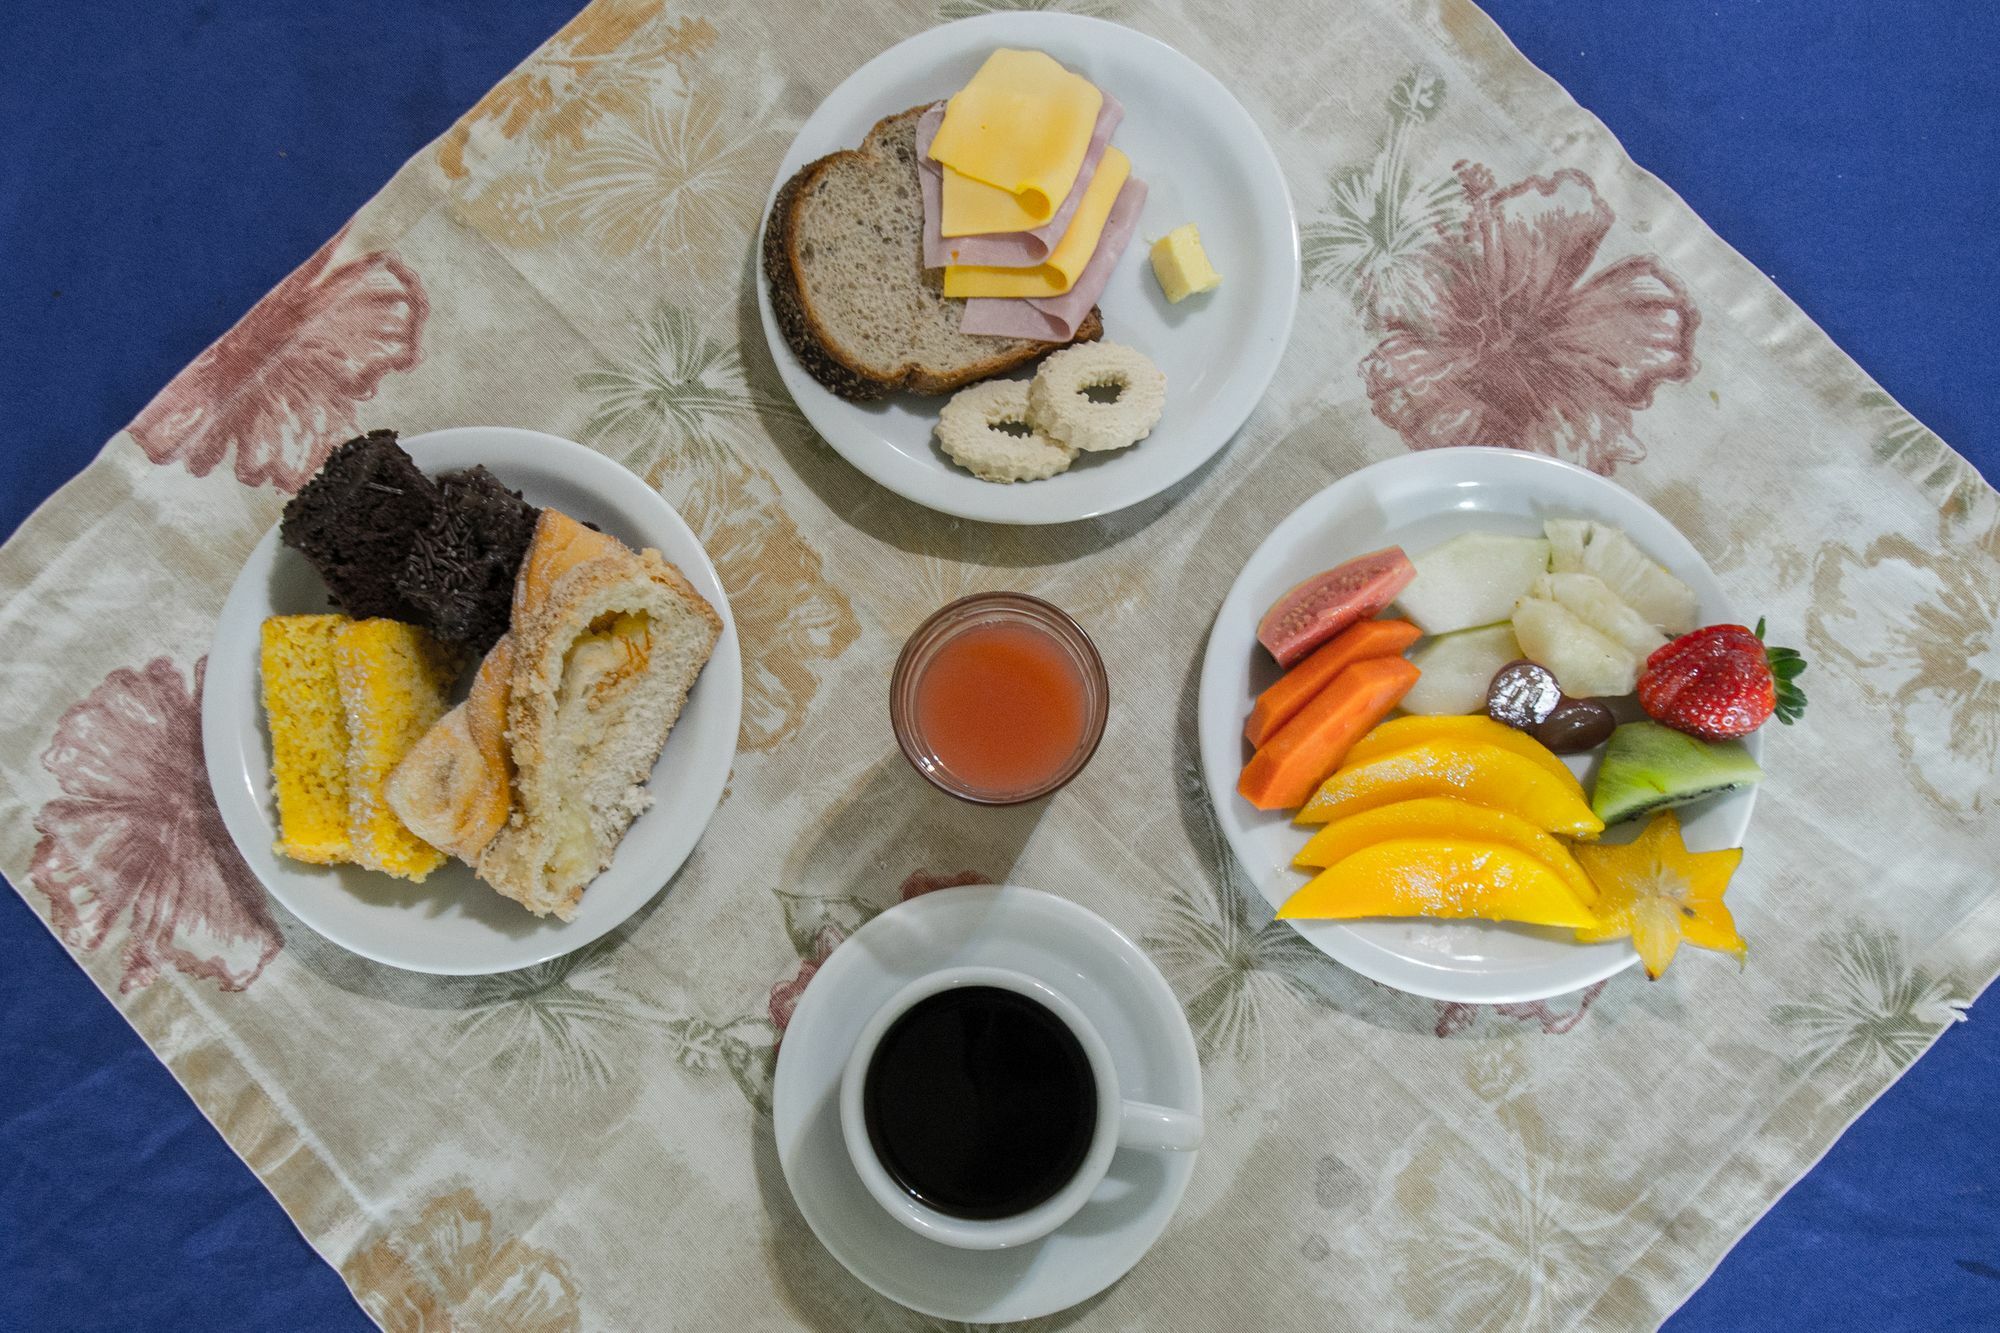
589,1144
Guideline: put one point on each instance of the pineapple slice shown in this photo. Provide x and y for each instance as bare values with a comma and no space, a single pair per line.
1587,663
1579,546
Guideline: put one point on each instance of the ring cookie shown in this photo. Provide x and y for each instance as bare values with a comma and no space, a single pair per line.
1060,407
970,431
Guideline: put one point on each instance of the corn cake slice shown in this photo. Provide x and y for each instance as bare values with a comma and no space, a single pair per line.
308,737
393,682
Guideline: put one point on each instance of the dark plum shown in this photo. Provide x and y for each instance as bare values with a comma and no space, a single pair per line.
1575,725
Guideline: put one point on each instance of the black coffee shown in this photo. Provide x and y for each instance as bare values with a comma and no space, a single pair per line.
980,1102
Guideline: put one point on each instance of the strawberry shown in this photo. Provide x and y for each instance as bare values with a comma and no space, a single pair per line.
1722,681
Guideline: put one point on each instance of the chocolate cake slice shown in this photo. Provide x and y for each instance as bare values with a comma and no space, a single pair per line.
356,521
460,572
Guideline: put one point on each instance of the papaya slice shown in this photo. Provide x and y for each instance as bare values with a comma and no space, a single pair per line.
1441,877
1284,772
1296,688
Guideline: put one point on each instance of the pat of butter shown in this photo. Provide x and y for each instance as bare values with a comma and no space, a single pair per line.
1182,265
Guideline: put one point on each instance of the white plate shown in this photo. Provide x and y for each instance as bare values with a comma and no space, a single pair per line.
1415,502
451,923
1125,998
1203,160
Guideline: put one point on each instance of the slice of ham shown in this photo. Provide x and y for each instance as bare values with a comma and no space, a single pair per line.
1055,318
1014,249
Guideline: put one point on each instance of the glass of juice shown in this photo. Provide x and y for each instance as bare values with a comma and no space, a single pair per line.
999,698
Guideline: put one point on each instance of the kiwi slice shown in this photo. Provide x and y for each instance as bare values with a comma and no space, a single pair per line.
1648,767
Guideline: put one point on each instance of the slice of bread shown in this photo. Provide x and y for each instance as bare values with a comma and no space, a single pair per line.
843,252
534,779
607,644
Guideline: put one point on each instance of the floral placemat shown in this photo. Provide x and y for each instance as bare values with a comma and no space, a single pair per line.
588,1143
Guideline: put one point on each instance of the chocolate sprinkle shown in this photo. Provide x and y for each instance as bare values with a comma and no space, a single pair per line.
390,541
356,519
460,572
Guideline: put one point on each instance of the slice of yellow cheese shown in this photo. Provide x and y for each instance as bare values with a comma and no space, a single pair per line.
974,208
1023,126
1065,264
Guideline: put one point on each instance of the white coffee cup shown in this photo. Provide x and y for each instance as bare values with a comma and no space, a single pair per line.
1120,1123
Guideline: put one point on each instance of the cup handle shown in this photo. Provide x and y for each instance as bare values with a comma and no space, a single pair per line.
1161,1128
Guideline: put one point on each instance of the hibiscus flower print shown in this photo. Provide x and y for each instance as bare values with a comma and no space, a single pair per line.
791,619
1454,1018
134,852
817,923
606,136
746,1048
450,1268
1919,632
281,388
1519,347
786,994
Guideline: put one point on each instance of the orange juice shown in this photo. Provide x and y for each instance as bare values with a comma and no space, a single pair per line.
1002,705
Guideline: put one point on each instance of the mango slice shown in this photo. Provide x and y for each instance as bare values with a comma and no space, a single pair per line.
1438,817
1474,729
1441,877
1482,774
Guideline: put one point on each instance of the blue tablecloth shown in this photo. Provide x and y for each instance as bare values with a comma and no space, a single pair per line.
163,164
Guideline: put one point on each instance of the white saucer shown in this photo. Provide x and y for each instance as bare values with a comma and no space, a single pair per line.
1204,161
1119,990
1417,501
451,923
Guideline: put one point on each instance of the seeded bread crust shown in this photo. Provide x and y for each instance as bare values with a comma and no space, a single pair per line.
809,335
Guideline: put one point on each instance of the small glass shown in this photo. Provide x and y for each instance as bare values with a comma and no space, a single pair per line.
1016,609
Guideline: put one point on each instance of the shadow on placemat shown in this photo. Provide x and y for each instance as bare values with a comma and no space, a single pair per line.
822,1295
421,990
889,806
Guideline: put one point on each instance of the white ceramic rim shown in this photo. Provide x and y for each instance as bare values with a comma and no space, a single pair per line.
1219,738
794,1098
972,1233
1021,504
252,826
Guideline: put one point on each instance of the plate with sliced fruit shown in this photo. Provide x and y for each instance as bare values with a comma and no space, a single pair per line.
1485,727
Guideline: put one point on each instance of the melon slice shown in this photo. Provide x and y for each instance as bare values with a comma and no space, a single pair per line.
1579,546
1457,668
1473,579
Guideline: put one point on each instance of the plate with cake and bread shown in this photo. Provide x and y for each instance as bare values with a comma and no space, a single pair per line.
1028,267
472,701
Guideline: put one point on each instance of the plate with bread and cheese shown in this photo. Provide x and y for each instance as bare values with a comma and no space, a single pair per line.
472,701
1028,267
